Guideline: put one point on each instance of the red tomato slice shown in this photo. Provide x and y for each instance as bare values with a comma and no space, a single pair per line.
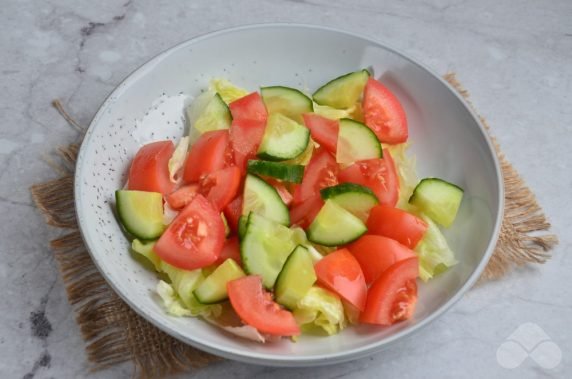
182,197
195,237
255,307
376,254
231,249
393,296
149,170
383,113
221,186
398,224
320,173
208,154
245,137
377,174
232,212
323,130
340,272
250,107
304,213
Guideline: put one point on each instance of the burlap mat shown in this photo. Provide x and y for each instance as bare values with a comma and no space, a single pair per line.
114,333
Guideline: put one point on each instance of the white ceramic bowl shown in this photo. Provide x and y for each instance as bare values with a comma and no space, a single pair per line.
446,137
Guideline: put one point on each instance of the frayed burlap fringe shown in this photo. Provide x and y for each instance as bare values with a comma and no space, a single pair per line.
115,333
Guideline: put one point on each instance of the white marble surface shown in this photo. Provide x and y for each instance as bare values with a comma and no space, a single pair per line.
514,57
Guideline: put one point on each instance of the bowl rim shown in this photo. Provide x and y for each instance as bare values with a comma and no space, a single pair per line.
268,358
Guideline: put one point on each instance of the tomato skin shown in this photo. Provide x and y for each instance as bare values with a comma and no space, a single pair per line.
398,224
304,213
221,186
249,107
383,113
323,130
255,307
207,154
182,197
230,249
341,273
320,173
379,175
149,170
393,296
245,137
195,238
376,254
232,212
285,195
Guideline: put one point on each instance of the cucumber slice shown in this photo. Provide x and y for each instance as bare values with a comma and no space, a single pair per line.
438,199
215,116
296,278
213,288
288,101
285,172
342,92
334,226
261,198
242,221
356,199
265,247
140,213
283,139
356,142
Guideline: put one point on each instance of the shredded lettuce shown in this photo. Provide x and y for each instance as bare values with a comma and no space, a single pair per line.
333,113
434,253
228,91
299,238
321,308
171,301
169,214
405,166
145,249
177,161
184,282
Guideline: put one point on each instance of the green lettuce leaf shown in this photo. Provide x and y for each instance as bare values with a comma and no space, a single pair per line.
321,308
171,301
177,161
228,91
434,253
406,170
145,249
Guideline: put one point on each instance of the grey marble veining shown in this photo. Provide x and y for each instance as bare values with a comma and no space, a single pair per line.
514,57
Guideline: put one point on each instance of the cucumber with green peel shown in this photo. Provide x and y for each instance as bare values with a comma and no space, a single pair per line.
213,288
355,198
288,101
140,213
215,116
438,199
283,139
242,220
296,278
265,247
334,226
342,92
356,142
285,172
263,199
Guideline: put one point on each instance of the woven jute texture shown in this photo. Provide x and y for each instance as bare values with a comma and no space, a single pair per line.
114,333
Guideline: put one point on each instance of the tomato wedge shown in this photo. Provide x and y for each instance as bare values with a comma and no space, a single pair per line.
232,212
383,113
250,107
376,254
398,224
231,249
183,196
221,186
393,296
320,173
323,130
255,307
340,272
208,154
377,174
195,237
245,137
149,170
304,213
